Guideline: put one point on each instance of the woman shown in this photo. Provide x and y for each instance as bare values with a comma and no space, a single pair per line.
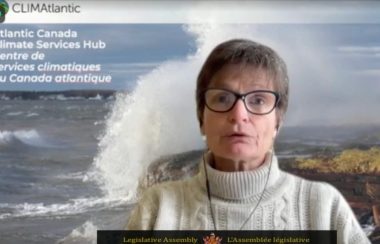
242,97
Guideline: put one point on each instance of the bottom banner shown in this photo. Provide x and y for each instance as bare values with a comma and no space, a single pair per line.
216,237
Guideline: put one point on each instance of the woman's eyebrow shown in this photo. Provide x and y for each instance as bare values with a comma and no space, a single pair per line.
229,86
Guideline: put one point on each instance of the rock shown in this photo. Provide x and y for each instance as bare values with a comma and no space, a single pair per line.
375,236
174,167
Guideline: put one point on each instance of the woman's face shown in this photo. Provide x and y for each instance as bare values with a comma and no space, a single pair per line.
238,135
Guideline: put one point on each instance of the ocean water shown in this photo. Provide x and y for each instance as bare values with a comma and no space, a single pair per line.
47,149
72,166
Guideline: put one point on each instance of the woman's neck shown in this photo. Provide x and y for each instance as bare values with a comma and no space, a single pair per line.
231,165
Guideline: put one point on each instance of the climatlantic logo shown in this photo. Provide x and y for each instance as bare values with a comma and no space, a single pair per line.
4,7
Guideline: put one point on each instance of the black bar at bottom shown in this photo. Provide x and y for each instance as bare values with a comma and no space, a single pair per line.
216,237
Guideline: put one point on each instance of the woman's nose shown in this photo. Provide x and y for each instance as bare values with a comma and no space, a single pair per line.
239,112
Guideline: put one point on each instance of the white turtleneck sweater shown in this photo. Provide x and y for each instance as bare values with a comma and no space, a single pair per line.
288,203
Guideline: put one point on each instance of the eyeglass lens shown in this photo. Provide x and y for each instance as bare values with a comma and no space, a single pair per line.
259,102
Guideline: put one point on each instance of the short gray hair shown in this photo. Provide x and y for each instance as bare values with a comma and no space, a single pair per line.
246,53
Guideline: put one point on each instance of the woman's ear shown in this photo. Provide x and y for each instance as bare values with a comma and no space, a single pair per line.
202,130
203,133
278,125
275,133
276,130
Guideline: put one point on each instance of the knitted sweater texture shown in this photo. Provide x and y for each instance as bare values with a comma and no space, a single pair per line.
288,202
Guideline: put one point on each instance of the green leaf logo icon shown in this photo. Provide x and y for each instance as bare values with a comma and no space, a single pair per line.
4,7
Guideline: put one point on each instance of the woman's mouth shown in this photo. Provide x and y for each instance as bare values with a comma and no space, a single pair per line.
237,137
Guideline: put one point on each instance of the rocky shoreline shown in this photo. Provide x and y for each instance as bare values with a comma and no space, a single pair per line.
37,95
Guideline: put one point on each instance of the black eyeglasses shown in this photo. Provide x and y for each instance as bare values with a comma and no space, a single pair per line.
258,102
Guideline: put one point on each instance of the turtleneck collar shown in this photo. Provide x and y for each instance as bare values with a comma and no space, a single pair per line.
241,185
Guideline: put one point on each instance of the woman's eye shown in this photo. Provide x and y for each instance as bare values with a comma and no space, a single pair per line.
257,101
223,98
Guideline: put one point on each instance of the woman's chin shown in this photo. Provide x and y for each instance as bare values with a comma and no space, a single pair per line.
241,149
240,153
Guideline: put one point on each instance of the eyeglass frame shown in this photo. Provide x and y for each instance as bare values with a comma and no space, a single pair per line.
242,97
